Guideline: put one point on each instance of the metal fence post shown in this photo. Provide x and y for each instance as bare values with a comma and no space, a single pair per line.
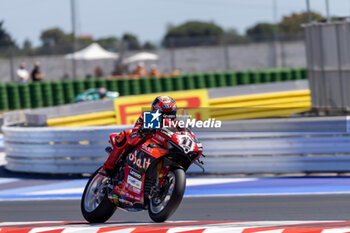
340,72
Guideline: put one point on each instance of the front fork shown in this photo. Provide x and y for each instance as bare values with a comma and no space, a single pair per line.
161,174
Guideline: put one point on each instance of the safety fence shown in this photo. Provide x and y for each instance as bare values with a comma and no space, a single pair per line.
43,94
281,146
328,61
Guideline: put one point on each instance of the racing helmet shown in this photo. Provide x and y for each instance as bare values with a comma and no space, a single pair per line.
166,106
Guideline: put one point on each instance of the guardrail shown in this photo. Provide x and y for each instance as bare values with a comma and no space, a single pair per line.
98,118
271,104
306,145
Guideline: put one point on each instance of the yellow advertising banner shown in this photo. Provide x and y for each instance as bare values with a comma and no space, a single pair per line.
129,108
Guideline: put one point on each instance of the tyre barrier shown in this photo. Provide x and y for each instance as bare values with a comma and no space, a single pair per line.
246,146
63,92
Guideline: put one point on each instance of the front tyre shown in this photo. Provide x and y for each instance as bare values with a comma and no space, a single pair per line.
160,208
95,205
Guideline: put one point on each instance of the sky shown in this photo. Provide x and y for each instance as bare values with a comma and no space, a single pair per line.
148,19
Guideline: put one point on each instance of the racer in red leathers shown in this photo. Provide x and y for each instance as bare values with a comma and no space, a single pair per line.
132,137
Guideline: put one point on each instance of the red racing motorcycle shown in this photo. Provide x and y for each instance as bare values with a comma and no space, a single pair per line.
151,176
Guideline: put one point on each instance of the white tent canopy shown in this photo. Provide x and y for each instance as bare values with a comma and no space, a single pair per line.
92,52
138,57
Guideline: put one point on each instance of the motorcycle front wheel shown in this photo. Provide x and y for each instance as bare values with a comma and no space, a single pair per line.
160,208
95,205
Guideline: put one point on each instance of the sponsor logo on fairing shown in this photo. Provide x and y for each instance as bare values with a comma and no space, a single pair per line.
134,182
139,162
135,174
159,138
146,149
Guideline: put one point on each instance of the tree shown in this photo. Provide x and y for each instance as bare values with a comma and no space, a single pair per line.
231,36
53,37
27,48
132,41
27,45
54,40
5,39
292,24
149,46
193,33
261,32
110,43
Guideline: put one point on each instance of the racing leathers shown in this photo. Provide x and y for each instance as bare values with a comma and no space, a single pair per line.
129,137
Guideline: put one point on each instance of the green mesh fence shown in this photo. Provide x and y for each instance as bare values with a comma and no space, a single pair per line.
79,86
231,79
89,83
145,85
124,86
199,81
36,95
4,105
254,77
220,79
24,95
57,91
189,82
243,78
101,82
135,86
167,84
39,94
156,85
112,85
210,81
46,88
178,83
68,90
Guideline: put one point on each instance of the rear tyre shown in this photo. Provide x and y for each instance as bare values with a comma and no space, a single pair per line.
95,205
161,208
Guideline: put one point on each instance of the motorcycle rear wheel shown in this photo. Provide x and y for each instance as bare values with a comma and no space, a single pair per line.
161,211
95,205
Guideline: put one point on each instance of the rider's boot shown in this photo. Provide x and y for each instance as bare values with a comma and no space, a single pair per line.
108,168
118,151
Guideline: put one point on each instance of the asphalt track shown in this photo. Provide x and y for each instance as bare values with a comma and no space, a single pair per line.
253,208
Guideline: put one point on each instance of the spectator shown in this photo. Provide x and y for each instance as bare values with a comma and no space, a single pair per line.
154,71
140,70
65,76
36,74
98,72
121,69
176,72
22,73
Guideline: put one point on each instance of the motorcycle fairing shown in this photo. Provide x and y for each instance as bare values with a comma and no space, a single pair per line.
152,148
139,160
129,193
